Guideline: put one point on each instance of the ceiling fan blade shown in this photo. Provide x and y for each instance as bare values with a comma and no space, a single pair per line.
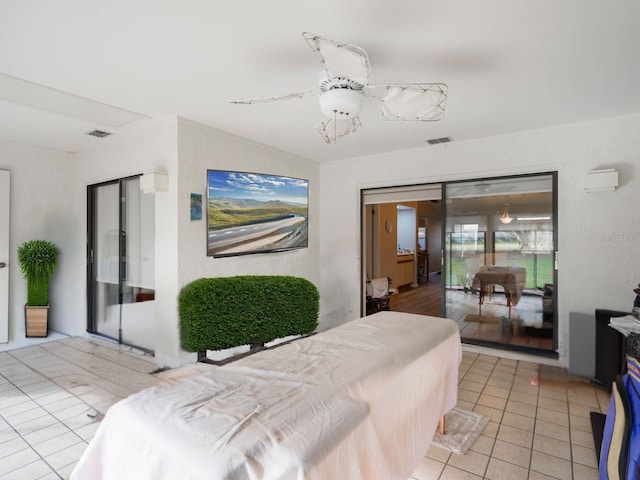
412,102
341,59
332,130
290,96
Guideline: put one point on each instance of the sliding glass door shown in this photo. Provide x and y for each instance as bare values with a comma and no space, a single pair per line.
482,252
499,261
120,266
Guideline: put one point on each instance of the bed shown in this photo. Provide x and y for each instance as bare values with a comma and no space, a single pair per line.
360,401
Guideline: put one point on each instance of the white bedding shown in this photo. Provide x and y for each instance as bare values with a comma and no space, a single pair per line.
361,401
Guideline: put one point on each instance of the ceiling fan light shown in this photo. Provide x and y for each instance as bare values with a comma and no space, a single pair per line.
506,219
341,103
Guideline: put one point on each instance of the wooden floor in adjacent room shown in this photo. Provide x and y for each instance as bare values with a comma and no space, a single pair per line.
423,300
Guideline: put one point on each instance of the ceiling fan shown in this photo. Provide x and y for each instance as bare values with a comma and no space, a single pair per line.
346,80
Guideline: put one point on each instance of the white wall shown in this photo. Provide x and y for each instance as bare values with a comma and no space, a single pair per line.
43,206
202,148
49,201
186,150
599,233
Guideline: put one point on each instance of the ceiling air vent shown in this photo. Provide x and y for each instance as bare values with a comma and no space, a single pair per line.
99,133
435,141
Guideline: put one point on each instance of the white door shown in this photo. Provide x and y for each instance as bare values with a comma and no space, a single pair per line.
5,184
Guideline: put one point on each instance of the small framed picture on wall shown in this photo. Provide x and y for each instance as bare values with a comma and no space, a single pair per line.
196,206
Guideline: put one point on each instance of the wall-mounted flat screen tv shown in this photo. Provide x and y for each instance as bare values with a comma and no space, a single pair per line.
255,213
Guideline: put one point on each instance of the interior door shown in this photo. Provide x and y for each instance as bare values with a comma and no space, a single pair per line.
5,195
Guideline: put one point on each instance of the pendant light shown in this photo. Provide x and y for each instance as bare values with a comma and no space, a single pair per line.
505,218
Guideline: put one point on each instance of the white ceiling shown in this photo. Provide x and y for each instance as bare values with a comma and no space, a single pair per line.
510,65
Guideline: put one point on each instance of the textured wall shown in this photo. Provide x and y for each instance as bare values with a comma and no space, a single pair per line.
154,149
599,233
202,148
44,206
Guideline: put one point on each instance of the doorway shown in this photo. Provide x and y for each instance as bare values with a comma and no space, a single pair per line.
484,256
120,266
5,196
402,242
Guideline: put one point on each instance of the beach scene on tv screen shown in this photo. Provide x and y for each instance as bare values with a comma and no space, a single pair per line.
255,213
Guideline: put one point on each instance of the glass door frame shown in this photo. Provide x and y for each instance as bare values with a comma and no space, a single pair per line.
122,260
365,243
553,353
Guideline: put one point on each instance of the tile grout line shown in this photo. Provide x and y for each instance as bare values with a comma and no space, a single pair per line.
570,460
495,441
504,411
475,405
573,476
22,373
84,370
484,475
31,447
535,421
104,358
50,413
118,348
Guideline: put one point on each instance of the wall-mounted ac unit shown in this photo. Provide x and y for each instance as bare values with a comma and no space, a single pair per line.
605,180
154,182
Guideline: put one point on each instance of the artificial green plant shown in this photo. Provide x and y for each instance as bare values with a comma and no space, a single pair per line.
224,312
37,260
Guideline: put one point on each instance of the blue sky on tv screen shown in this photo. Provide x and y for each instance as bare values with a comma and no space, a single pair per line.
256,186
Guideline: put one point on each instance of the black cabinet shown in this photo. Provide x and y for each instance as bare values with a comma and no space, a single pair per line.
609,347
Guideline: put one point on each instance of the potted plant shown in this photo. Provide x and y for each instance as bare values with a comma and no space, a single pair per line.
37,260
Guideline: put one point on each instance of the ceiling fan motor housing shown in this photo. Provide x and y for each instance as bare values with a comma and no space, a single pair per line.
341,103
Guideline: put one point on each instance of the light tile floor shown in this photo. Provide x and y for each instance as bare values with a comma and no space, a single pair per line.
535,432
52,396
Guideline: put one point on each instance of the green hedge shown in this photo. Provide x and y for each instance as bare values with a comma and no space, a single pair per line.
224,312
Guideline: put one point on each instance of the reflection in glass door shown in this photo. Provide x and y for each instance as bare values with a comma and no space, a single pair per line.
120,265
499,262
464,251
